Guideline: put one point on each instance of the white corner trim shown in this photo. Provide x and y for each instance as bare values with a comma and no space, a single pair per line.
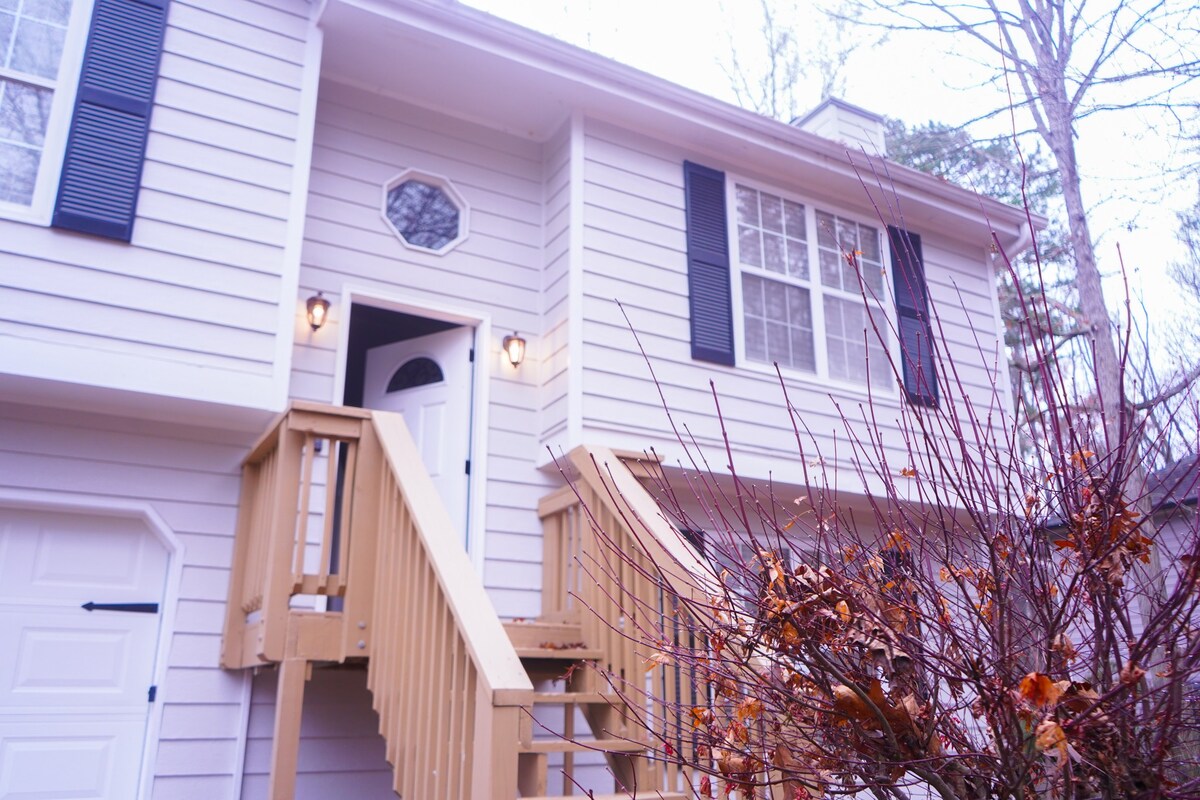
289,289
41,500
575,272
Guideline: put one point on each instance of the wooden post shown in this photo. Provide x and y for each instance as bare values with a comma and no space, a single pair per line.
285,749
232,656
362,534
281,538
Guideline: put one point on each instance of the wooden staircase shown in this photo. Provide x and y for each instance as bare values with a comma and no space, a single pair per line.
554,655
340,556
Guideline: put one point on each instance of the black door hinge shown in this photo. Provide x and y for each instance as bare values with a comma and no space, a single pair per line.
471,356
153,693
468,466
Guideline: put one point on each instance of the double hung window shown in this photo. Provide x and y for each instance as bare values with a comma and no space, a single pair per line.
803,275
34,36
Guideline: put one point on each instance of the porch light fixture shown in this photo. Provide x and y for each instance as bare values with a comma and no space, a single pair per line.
318,310
514,348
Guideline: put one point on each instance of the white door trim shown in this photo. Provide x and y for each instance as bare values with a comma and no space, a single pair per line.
481,380
99,505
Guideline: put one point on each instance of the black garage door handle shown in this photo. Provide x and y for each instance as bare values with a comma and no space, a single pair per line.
133,608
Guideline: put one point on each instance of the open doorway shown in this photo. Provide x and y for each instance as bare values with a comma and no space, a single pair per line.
422,368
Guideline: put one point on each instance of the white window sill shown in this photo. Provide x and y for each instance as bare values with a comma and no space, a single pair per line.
820,384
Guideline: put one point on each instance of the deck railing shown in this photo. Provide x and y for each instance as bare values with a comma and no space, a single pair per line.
295,529
609,553
358,518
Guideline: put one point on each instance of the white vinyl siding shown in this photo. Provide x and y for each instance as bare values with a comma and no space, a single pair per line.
200,285
362,141
635,253
189,477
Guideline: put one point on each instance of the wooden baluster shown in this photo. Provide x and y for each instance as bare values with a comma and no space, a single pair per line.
303,513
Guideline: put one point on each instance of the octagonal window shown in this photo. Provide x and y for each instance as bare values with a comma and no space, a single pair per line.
425,211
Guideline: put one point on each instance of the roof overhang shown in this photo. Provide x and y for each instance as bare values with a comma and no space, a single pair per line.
477,67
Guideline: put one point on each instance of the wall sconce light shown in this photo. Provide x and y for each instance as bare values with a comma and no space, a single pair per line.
514,348
318,310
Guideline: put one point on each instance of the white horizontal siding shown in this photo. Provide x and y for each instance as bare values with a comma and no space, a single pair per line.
634,243
200,285
189,477
361,142
341,751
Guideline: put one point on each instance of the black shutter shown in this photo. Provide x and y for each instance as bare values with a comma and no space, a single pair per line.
102,166
912,313
709,299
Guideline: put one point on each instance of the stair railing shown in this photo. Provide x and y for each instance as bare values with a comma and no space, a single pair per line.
294,529
336,502
440,659
609,554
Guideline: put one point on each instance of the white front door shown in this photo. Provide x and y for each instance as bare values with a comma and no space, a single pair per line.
428,380
74,683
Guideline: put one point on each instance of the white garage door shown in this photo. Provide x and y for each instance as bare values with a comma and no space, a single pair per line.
74,683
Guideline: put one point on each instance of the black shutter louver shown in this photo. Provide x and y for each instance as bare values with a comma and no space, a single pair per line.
102,165
709,300
912,314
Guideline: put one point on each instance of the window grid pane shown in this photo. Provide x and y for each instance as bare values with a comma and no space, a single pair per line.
772,233
846,247
778,319
32,35
853,347
778,323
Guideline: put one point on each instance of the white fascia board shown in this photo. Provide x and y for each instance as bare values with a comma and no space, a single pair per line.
603,88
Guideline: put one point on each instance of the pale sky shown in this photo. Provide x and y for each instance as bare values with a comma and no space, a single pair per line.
1133,202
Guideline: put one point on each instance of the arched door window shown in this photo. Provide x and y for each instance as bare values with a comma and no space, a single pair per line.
419,371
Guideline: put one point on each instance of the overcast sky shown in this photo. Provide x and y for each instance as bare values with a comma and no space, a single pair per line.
1133,201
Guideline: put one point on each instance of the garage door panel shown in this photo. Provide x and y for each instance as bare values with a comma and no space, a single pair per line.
72,558
70,759
76,658
74,682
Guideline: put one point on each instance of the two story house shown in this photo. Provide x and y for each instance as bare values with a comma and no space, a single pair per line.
298,303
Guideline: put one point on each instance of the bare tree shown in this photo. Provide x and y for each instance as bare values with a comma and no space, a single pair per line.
1063,62
979,626
803,48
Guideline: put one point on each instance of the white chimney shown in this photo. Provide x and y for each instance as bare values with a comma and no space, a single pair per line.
854,127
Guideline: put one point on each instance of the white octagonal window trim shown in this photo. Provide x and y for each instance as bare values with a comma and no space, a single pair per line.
425,211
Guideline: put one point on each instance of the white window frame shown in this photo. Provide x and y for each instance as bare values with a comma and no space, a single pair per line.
65,87
817,290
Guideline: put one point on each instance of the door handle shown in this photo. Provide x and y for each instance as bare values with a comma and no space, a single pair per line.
132,608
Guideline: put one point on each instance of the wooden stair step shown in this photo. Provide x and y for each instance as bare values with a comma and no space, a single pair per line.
559,654
573,698
513,698
537,634
583,746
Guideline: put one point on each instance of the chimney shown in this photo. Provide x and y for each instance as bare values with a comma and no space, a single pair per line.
854,127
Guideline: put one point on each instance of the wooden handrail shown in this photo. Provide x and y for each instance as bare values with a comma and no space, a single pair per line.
609,556
441,661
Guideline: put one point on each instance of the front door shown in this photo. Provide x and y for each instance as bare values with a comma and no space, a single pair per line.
75,683
428,380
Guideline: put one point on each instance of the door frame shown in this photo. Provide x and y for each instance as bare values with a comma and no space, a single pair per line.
481,375
100,506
